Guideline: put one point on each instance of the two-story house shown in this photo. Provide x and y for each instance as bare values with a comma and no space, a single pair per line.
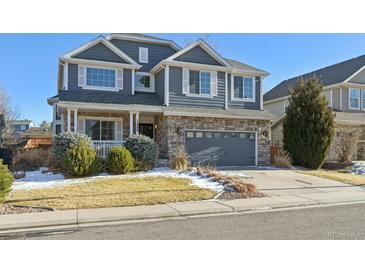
344,88
125,84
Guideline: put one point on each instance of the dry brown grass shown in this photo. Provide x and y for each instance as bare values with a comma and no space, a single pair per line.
283,159
354,179
238,184
113,193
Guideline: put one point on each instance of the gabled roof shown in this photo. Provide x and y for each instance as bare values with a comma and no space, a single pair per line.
239,66
143,38
334,74
204,45
96,41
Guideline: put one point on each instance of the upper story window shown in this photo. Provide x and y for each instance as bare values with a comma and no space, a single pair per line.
354,98
144,82
98,77
199,82
143,55
244,88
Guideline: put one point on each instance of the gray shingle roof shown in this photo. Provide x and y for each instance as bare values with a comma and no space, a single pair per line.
330,75
109,97
239,65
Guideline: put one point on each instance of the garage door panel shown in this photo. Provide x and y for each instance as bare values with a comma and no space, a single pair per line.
221,148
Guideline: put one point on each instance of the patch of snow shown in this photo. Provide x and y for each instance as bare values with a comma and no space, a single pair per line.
359,168
41,179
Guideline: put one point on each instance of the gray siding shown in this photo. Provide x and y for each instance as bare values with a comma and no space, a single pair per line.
336,98
198,55
160,84
156,52
245,105
358,78
73,79
101,53
176,98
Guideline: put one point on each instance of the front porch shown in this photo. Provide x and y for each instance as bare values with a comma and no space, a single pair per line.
108,129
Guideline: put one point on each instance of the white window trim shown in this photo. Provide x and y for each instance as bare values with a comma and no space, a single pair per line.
362,99
251,100
359,98
140,51
98,87
203,95
152,82
109,119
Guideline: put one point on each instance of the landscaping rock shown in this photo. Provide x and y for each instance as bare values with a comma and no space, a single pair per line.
237,195
18,175
10,209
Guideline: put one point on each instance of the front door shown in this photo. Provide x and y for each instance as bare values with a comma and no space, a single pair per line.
146,129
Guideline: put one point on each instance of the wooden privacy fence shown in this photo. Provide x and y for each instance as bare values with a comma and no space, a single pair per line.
274,151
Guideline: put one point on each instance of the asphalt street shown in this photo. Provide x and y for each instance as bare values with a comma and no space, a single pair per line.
332,222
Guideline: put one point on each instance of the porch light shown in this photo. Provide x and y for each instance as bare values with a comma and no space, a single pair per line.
265,133
178,130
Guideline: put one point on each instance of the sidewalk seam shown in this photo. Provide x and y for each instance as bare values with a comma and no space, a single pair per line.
231,207
174,209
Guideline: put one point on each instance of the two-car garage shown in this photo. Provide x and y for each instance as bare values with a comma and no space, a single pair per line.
221,148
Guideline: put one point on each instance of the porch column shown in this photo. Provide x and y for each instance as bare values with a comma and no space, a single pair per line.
68,120
75,120
130,123
137,123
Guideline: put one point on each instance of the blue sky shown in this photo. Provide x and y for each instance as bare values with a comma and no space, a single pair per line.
28,62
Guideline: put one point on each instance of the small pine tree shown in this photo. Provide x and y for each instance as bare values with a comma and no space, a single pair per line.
308,128
6,181
120,160
80,160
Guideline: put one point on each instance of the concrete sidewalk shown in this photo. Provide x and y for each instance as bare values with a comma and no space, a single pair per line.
85,217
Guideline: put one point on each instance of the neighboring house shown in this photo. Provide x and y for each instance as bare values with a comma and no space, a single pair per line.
344,88
19,127
124,84
37,137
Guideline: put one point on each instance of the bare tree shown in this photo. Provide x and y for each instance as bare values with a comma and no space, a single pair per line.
8,114
345,144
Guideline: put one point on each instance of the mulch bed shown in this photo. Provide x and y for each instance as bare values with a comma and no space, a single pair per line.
10,209
237,195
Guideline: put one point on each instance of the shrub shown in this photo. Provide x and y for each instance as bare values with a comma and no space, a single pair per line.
80,160
181,160
308,128
63,141
31,159
144,150
6,181
283,159
120,160
345,144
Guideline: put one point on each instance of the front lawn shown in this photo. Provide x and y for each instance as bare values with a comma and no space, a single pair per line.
343,177
113,192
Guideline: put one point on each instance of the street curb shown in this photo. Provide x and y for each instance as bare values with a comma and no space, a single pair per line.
82,217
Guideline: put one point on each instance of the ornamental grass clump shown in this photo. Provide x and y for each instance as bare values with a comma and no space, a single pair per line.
6,181
80,160
144,151
181,160
120,160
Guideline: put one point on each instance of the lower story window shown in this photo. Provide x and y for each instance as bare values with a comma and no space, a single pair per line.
354,98
100,130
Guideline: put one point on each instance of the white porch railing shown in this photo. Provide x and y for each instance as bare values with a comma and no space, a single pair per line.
103,148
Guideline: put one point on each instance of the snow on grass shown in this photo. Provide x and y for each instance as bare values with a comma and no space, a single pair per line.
359,168
41,179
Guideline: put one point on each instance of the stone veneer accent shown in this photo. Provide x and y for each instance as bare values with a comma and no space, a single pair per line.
170,140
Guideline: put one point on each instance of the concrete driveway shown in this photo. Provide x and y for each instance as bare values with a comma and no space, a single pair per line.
277,182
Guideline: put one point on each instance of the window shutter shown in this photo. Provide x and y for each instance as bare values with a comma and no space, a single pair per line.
213,83
81,125
120,79
118,130
185,81
82,76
